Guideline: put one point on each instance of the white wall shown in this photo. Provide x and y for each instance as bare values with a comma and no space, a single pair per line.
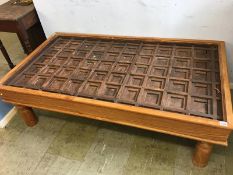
199,19
3,1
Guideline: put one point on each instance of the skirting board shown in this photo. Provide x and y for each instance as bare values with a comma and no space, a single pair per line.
8,117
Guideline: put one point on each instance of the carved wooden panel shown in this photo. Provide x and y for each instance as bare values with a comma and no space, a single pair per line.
182,78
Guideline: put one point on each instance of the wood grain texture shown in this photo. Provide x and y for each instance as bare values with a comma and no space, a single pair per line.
225,85
166,122
202,153
7,9
24,21
192,127
27,115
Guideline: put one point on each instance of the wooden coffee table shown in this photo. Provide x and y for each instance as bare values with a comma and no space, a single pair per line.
173,86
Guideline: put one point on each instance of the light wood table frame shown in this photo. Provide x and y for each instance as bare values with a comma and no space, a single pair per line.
206,131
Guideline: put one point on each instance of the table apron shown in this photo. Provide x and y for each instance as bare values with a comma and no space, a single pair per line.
186,129
8,26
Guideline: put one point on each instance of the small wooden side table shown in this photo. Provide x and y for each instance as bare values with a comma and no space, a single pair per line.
20,20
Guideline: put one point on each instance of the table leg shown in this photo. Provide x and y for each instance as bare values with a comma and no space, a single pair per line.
24,39
28,115
6,56
202,154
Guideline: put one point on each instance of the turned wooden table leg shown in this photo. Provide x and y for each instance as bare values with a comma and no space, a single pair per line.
28,115
202,154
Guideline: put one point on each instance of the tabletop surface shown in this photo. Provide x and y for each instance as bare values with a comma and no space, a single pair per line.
182,78
14,12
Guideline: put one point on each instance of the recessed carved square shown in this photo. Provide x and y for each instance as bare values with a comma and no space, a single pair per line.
55,84
151,98
96,55
130,94
180,73
121,67
182,62
90,89
155,83
216,66
147,50
201,89
74,44
217,76
126,58
66,53
60,44
117,47
88,45
23,80
136,80
110,91
201,75
215,53
52,51
105,65
218,90
202,64
65,72
159,71
202,53
89,64
101,46
116,78
162,61
219,109
176,101
98,76
144,59
178,85
131,48
183,52
38,81
35,69
111,56
44,59
49,70
71,87
80,54
81,74
201,105
59,60
73,62
140,69
164,51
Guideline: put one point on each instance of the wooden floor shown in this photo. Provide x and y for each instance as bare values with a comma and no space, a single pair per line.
61,144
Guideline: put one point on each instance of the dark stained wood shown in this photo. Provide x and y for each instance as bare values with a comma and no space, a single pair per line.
14,12
5,55
20,19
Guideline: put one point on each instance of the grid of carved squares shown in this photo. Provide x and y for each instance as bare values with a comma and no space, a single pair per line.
181,78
